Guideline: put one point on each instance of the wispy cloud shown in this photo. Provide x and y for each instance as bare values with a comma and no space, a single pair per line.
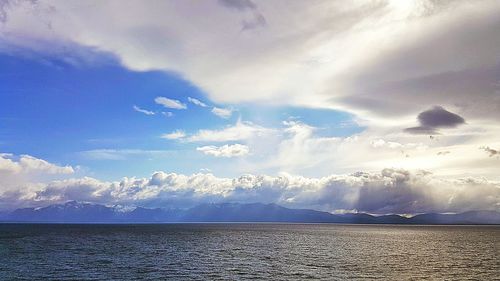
178,134
222,112
119,154
492,152
145,111
196,102
228,151
240,131
170,103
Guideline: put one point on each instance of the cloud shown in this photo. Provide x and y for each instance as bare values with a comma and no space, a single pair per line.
167,113
22,174
196,102
387,191
228,151
147,112
238,4
325,63
222,112
422,131
26,164
255,18
119,154
492,152
170,103
240,131
178,134
436,118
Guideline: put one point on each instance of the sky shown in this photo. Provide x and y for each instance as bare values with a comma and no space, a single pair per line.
342,106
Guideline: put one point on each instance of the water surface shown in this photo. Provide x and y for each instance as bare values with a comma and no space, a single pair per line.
248,251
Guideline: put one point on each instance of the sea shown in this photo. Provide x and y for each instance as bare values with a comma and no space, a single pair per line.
248,252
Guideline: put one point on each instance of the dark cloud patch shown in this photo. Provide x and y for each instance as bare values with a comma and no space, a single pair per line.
435,118
492,152
420,130
240,5
443,152
255,18
438,117
257,21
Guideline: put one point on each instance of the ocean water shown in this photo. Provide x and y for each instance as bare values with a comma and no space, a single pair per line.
248,252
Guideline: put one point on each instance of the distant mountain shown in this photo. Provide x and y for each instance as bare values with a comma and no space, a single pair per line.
77,212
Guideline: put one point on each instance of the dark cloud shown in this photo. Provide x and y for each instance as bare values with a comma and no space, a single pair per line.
420,130
257,21
492,152
443,152
438,117
238,4
435,118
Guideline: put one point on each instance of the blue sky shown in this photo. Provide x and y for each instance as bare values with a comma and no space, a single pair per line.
56,110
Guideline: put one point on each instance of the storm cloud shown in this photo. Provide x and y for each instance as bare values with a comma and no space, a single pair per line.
436,118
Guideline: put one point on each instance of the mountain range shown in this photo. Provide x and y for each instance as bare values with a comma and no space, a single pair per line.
79,212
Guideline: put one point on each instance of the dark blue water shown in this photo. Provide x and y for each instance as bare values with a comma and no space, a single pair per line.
248,251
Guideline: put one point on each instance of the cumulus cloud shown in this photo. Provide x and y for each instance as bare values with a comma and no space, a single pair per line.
178,134
20,175
26,164
435,118
196,102
144,111
170,103
388,191
222,112
228,151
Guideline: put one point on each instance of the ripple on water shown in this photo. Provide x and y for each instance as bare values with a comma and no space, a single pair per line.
248,251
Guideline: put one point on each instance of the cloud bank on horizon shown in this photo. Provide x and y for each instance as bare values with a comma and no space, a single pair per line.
376,106
388,191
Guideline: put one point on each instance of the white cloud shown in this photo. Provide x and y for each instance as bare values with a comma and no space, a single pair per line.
167,113
147,112
387,191
228,151
170,103
26,164
239,56
178,134
197,102
119,154
22,173
240,131
222,112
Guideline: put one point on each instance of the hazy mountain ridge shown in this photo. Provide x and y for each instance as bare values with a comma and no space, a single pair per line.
77,212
